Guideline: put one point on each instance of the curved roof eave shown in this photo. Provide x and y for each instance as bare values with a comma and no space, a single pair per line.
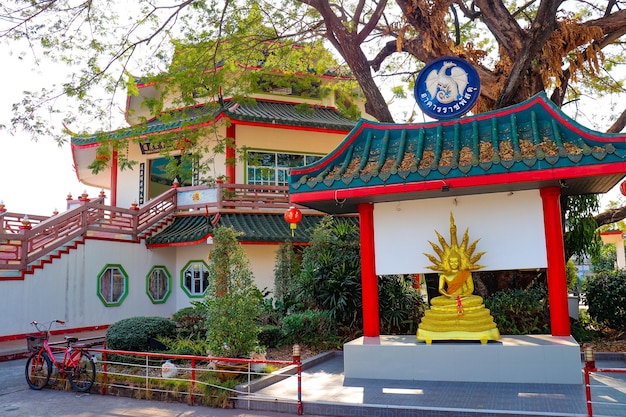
527,146
267,113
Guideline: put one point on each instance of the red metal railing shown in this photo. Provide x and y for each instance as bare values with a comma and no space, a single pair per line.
590,367
191,365
23,240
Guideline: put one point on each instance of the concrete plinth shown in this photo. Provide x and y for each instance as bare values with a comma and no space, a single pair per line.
540,359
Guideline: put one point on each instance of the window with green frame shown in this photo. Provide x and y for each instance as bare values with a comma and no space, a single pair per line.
112,285
158,284
194,278
272,168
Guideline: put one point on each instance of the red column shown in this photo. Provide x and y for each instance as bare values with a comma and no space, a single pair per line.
114,178
557,279
231,160
369,280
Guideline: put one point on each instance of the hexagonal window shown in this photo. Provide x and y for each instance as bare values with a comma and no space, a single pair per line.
112,285
194,278
158,284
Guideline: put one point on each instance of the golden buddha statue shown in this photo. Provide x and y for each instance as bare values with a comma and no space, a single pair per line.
457,314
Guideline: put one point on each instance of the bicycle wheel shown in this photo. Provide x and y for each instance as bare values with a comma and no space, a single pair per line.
38,370
83,375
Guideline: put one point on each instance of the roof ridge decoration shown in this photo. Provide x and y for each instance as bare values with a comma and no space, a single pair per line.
534,134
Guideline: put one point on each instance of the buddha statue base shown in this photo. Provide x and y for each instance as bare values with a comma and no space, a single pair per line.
447,320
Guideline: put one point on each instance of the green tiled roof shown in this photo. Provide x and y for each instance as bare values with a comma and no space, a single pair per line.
256,227
534,139
260,112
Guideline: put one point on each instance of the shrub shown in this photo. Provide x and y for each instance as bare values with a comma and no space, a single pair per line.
330,278
286,269
521,311
134,333
605,296
233,303
309,328
191,322
401,306
270,336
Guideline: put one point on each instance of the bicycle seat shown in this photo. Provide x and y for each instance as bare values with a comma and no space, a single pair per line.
71,339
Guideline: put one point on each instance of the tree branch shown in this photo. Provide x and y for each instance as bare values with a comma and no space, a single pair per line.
619,124
610,216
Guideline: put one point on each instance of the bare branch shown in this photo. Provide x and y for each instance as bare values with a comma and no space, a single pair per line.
619,124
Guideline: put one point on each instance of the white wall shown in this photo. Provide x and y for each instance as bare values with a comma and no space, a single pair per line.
66,289
509,225
262,259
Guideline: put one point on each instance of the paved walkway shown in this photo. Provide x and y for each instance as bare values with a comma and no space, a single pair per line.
325,391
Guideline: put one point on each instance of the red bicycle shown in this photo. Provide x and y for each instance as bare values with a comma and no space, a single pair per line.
77,364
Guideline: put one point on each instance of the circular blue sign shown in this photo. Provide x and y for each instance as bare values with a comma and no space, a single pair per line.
447,87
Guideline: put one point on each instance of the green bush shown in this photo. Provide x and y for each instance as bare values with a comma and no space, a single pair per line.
330,277
605,296
313,328
400,304
191,322
270,336
521,311
233,303
134,333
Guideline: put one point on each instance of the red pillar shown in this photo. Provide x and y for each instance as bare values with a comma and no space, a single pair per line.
231,160
557,278
114,178
369,280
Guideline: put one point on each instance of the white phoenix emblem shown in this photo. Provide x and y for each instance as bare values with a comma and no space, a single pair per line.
447,88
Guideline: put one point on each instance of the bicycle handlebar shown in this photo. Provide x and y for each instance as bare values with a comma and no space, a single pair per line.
36,324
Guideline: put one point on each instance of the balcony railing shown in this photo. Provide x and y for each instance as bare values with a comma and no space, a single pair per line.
25,239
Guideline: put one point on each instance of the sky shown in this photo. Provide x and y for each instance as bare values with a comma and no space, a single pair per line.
36,176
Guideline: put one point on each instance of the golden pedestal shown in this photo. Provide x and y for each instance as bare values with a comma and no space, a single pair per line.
446,320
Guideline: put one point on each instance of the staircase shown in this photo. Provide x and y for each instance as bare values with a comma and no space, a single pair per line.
28,243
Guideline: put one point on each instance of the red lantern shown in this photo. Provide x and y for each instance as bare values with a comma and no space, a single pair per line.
293,216
622,187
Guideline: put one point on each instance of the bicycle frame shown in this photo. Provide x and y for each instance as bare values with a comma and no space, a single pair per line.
77,364
70,355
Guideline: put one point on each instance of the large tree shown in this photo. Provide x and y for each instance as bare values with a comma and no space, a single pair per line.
570,49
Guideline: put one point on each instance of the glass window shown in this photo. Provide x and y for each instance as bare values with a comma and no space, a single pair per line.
195,278
272,168
112,285
160,180
158,284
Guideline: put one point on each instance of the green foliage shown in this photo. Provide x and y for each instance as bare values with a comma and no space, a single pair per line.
605,260
331,272
185,346
521,311
581,238
584,329
191,322
605,296
571,272
401,306
315,328
232,302
133,333
286,269
270,336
